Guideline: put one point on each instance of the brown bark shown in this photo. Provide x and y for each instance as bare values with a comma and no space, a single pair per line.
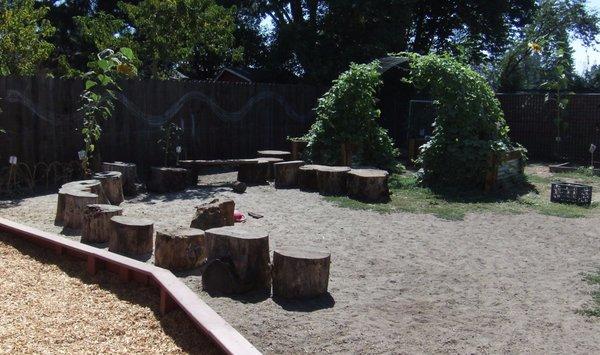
300,273
112,186
307,177
216,213
75,203
131,236
128,175
370,185
256,172
179,249
286,173
96,222
332,179
163,179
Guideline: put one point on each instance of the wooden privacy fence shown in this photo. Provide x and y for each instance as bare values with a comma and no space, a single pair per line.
219,120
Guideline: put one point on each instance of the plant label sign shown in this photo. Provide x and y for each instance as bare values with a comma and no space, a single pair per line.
82,155
178,149
12,160
592,148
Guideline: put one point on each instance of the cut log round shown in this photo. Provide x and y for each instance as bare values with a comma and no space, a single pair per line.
254,172
298,146
92,186
271,162
332,179
300,273
131,236
128,175
214,214
179,249
282,154
370,185
164,179
307,177
112,186
246,255
75,203
286,173
96,222
238,187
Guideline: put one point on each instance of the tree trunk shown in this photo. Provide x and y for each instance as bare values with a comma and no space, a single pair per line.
332,180
216,213
369,185
96,222
75,204
163,179
179,249
246,255
131,236
299,273
128,175
91,186
254,173
307,177
286,173
271,162
112,186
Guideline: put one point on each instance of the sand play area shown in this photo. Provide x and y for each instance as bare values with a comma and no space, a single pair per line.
399,282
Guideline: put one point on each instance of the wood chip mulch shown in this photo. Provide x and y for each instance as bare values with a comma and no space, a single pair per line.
49,304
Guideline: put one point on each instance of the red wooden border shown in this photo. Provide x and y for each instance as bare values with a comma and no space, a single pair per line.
173,293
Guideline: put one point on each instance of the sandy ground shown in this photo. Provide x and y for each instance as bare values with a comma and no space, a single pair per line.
400,283
49,305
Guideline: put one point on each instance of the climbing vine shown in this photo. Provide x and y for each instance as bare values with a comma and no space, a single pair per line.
97,99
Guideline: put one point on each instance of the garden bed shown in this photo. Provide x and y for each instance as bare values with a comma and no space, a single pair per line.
570,167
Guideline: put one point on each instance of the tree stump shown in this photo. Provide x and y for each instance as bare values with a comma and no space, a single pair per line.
369,185
128,175
96,222
75,203
92,186
254,172
281,154
112,186
164,179
332,179
131,236
239,256
214,214
286,173
238,187
271,162
297,147
300,273
179,249
307,177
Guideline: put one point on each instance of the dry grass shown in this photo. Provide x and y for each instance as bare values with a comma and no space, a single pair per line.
50,305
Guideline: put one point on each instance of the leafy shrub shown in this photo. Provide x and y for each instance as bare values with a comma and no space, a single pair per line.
171,138
347,115
469,127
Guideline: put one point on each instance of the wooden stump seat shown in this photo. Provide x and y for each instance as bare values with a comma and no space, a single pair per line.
214,214
271,162
166,179
307,177
96,222
369,185
131,236
128,175
237,261
73,197
300,273
286,173
282,154
112,186
332,179
254,172
179,249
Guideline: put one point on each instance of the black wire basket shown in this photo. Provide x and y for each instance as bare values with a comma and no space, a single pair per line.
566,192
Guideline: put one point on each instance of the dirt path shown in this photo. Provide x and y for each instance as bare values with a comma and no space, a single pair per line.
402,282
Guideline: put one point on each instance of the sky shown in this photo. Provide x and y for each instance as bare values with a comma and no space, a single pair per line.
586,57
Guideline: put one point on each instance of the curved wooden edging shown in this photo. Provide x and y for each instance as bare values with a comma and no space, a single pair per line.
173,293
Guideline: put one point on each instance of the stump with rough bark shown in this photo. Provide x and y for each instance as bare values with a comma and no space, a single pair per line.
92,186
165,179
179,249
307,177
332,179
297,147
128,175
369,185
112,186
237,261
271,162
96,222
75,204
131,236
214,214
300,273
253,172
286,173
281,154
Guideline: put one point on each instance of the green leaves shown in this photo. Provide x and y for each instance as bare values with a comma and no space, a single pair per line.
127,52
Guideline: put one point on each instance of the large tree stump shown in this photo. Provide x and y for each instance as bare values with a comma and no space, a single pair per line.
179,249
307,177
96,222
298,146
164,179
286,173
128,175
300,273
214,214
332,179
75,203
369,185
271,162
112,186
254,172
239,256
282,154
131,236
